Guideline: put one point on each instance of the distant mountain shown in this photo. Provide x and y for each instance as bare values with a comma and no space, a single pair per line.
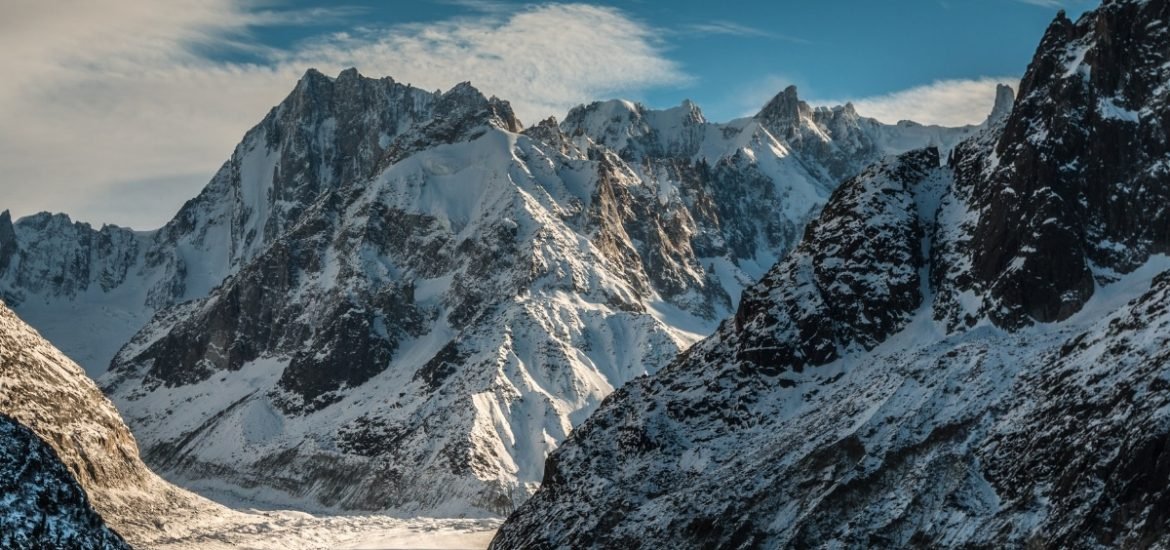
394,299
972,355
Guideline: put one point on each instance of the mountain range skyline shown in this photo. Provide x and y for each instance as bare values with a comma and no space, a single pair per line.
133,99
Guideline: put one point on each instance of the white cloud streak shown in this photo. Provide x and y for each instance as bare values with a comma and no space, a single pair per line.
731,28
111,114
1043,3
946,102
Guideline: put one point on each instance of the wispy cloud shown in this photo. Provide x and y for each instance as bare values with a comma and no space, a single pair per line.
731,28
304,16
115,95
946,102
485,6
1043,3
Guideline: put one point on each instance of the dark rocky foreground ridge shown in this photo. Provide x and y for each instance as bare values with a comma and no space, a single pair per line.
65,448
975,355
41,505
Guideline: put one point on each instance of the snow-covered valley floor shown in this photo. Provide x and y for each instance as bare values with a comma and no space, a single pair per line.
284,530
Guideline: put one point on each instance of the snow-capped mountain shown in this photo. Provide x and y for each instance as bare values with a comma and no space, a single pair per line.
397,299
42,506
446,322
90,290
972,355
842,142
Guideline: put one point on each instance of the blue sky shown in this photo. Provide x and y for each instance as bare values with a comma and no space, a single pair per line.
119,110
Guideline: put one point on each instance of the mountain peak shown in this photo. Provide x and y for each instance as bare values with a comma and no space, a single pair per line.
1005,97
349,73
463,94
784,111
787,99
633,130
691,111
548,131
467,99
463,88
312,77
8,245
612,108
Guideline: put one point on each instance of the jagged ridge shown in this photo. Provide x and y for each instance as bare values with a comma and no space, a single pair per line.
960,416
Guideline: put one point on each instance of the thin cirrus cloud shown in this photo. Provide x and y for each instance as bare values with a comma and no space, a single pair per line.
1061,4
114,98
1043,3
731,28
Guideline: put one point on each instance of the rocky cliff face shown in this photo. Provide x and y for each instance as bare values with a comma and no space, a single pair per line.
961,356
396,299
42,506
1076,183
91,448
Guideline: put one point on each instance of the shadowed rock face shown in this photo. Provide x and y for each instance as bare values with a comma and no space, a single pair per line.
1080,179
854,279
927,407
41,505
8,246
